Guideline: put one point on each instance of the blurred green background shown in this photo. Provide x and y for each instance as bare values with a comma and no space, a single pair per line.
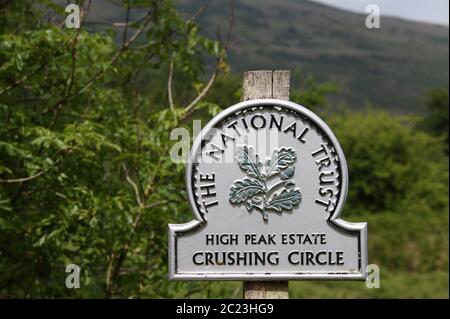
85,122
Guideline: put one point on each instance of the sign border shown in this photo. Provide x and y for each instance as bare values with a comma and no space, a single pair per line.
334,220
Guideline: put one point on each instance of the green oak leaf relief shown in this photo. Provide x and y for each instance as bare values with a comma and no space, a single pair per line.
281,160
257,190
248,161
246,188
284,200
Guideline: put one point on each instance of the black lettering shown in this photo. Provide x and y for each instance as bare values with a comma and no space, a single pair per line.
321,253
323,162
292,253
253,121
225,137
302,135
194,260
216,149
324,174
210,204
326,191
209,258
241,257
321,150
273,122
340,257
207,178
260,260
233,125
275,260
230,258
322,203
309,258
245,123
209,190
209,239
292,127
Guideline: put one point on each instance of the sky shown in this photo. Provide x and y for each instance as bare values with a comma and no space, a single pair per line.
433,11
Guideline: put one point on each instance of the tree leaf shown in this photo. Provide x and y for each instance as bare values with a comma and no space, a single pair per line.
285,200
243,189
281,160
247,162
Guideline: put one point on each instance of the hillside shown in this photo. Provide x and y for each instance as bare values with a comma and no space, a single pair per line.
391,67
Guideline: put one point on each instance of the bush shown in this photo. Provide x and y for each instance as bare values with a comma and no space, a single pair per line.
392,166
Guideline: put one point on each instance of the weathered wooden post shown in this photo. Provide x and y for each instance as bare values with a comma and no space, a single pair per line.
266,84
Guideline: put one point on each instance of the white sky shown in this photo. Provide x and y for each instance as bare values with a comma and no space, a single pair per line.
434,11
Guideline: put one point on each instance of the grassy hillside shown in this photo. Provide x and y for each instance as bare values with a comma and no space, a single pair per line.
390,67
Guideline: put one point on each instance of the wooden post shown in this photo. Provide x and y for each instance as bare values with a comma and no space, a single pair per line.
266,85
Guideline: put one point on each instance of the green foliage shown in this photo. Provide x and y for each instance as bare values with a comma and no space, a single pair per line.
226,90
392,166
85,173
311,94
437,120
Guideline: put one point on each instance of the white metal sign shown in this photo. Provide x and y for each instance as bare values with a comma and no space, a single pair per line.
267,181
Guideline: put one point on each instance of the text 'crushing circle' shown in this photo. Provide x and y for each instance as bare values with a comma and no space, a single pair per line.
267,181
